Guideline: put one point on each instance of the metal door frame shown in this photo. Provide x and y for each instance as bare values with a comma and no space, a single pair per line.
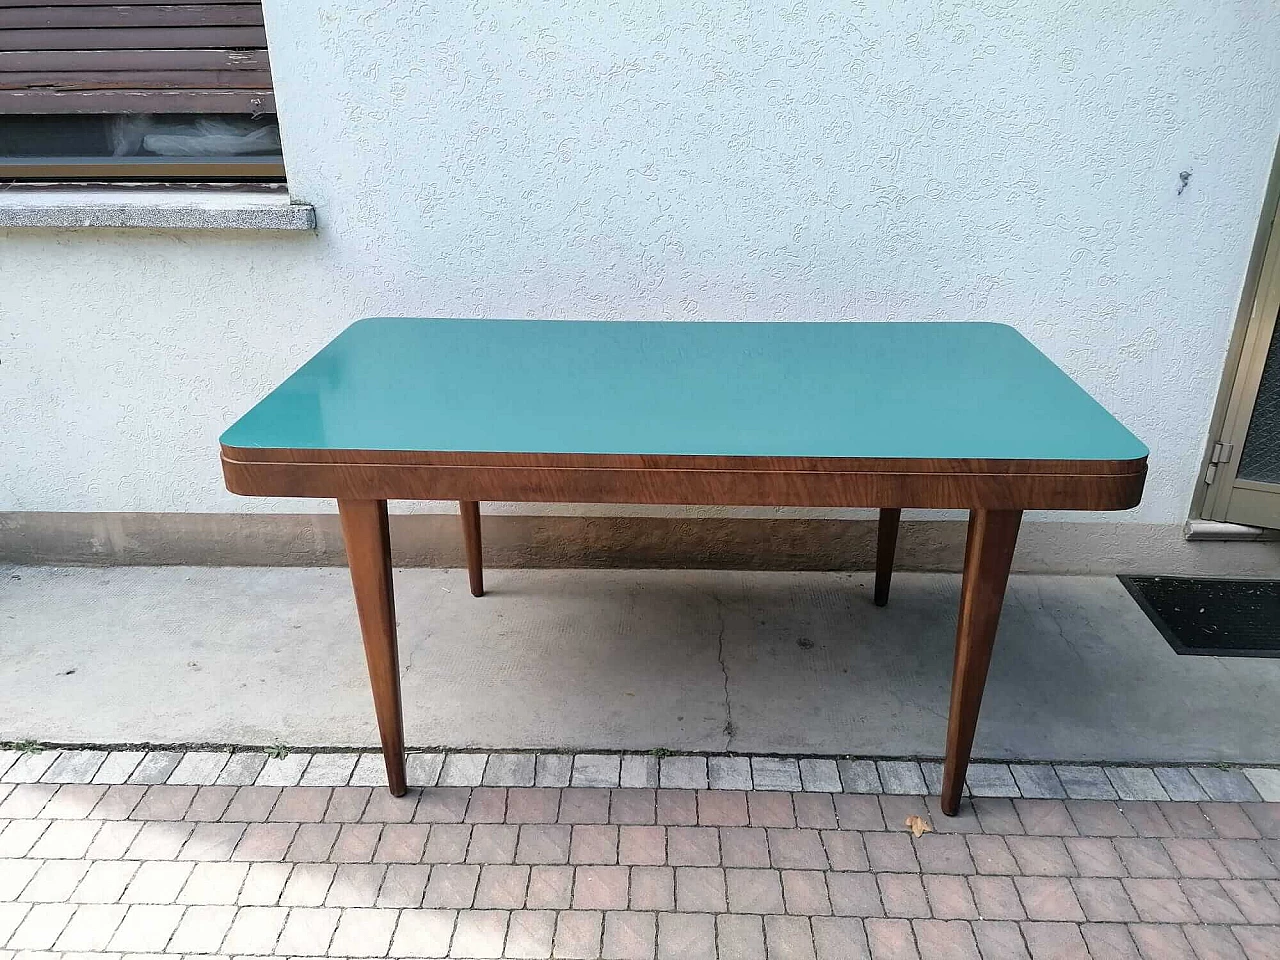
1217,490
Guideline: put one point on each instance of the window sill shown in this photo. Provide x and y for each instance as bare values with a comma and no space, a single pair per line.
175,208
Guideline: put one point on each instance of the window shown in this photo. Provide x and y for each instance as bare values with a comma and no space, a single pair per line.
136,90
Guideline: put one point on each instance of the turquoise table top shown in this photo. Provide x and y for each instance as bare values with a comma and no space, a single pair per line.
849,389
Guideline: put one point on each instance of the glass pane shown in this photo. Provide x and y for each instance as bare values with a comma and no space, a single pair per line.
1260,459
167,135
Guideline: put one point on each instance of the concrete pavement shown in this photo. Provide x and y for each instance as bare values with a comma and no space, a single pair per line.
618,660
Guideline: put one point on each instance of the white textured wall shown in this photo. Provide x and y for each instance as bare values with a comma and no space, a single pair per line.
987,159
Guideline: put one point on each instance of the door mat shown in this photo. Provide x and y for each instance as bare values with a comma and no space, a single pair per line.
1210,617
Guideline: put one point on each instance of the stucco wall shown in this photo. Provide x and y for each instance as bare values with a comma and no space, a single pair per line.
1014,161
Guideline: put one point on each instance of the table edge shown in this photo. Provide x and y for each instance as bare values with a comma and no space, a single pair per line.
730,463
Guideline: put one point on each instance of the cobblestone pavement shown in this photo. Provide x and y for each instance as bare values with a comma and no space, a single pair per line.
239,854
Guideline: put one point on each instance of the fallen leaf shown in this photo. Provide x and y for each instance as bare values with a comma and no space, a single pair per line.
918,825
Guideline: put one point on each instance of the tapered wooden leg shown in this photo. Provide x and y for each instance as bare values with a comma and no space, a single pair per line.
886,543
368,538
470,511
988,554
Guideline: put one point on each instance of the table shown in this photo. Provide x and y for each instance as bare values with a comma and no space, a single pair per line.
849,414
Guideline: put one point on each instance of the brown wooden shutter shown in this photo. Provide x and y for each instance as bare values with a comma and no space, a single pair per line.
133,56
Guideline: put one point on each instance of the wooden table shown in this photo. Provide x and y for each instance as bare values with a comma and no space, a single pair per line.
887,415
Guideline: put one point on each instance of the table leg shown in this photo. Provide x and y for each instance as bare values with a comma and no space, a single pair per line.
886,544
368,538
470,511
987,556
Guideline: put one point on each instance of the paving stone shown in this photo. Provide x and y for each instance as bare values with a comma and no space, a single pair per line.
686,937
578,934
1159,901
729,773
1225,785
586,804
1266,780
903,895
364,933
1099,818
462,769
788,938
551,888
1037,781
683,773
1229,820
722,808
1136,783
1164,941
999,940
933,775
859,776
1211,902
1144,857
742,938
901,777
891,939
117,766
403,885
1085,782
283,771
945,938
1258,942
1109,941
91,927
307,931
996,898
1214,943
1180,784
996,815
7,759
700,890
816,810
242,769
199,768
73,801
155,767
632,805
596,770
600,888
421,769
822,776
1046,818
991,780
30,767
553,770
74,766
1049,898
653,888
501,886
1146,817
775,773
329,770
532,804
1104,900
639,770
424,933
839,938
1056,941
530,932
509,770
370,771
594,843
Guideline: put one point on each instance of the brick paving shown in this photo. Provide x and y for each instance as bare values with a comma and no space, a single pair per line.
132,853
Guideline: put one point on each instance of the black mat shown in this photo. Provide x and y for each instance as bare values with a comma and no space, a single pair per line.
1212,618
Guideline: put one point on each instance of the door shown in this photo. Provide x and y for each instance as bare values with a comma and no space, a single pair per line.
1244,466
